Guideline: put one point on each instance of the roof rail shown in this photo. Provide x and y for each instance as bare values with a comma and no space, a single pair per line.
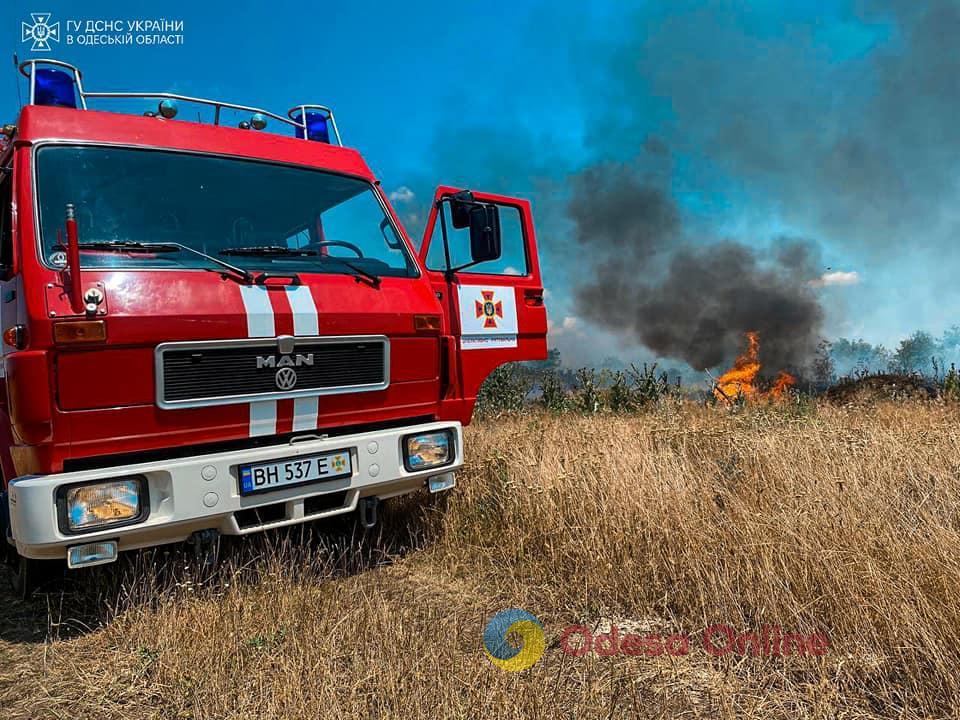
300,117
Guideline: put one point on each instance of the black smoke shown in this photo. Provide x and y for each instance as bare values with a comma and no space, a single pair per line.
681,300
857,148
835,120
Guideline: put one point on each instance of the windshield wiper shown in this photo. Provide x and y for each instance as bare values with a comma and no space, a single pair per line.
277,250
128,246
136,246
371,277
280,251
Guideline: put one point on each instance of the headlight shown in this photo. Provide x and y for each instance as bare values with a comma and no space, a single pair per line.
101,505
428,450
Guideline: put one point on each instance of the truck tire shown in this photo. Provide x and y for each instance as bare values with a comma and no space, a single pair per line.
8,553
28,575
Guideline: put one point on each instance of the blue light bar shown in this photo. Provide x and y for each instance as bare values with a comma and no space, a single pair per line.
54,87
316,127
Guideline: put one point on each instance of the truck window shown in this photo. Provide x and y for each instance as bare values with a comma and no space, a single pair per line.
298,239
513,261
227,207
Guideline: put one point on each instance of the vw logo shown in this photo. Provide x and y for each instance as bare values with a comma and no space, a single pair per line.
286,378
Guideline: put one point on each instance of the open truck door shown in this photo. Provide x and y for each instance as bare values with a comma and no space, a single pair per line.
480,251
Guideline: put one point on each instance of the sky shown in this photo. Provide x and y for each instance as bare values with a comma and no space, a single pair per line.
697,169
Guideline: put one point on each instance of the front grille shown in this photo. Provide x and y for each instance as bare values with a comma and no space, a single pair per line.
233,371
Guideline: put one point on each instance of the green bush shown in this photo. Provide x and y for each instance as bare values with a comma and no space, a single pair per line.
649,387
504,391
951,384
553,392
587,398
621,397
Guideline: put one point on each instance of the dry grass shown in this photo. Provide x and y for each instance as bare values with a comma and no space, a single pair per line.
832,519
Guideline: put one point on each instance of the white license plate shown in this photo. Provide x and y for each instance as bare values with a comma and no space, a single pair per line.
294,471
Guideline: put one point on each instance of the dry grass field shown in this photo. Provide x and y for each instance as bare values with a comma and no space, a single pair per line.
840,520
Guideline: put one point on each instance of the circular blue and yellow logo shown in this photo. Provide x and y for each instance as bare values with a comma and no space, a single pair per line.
509,624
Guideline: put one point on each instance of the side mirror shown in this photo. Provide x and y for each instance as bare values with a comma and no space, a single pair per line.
460,206
484,233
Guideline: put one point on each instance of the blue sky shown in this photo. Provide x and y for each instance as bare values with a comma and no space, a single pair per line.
393,73
518,97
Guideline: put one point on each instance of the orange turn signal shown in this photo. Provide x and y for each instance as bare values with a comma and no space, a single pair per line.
426,323
71,332
16,337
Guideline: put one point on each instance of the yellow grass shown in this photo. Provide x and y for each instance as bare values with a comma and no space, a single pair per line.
843,520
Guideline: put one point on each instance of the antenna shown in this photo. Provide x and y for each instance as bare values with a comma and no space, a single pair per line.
16,79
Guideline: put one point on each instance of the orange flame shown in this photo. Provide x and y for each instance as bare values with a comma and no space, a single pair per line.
739,381
784,382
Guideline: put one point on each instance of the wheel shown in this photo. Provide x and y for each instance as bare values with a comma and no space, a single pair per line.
28,575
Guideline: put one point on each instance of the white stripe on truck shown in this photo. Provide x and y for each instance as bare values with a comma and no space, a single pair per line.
261,322
305,413
263,418
256,302
305,322
304,310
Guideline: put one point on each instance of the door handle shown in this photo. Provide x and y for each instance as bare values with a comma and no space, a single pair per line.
264,278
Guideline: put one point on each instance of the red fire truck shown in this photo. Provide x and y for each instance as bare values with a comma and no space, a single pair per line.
215,327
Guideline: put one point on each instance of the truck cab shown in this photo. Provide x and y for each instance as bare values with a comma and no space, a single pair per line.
217,330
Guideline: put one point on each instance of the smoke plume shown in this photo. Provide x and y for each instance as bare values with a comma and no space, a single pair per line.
681,300
855,144
830,121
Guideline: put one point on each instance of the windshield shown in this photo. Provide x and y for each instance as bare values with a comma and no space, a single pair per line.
254,215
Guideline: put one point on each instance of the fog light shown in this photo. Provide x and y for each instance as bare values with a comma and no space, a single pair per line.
98,553
101,505
439,483
428,450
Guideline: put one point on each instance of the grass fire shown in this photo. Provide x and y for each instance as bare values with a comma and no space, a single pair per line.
741,381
